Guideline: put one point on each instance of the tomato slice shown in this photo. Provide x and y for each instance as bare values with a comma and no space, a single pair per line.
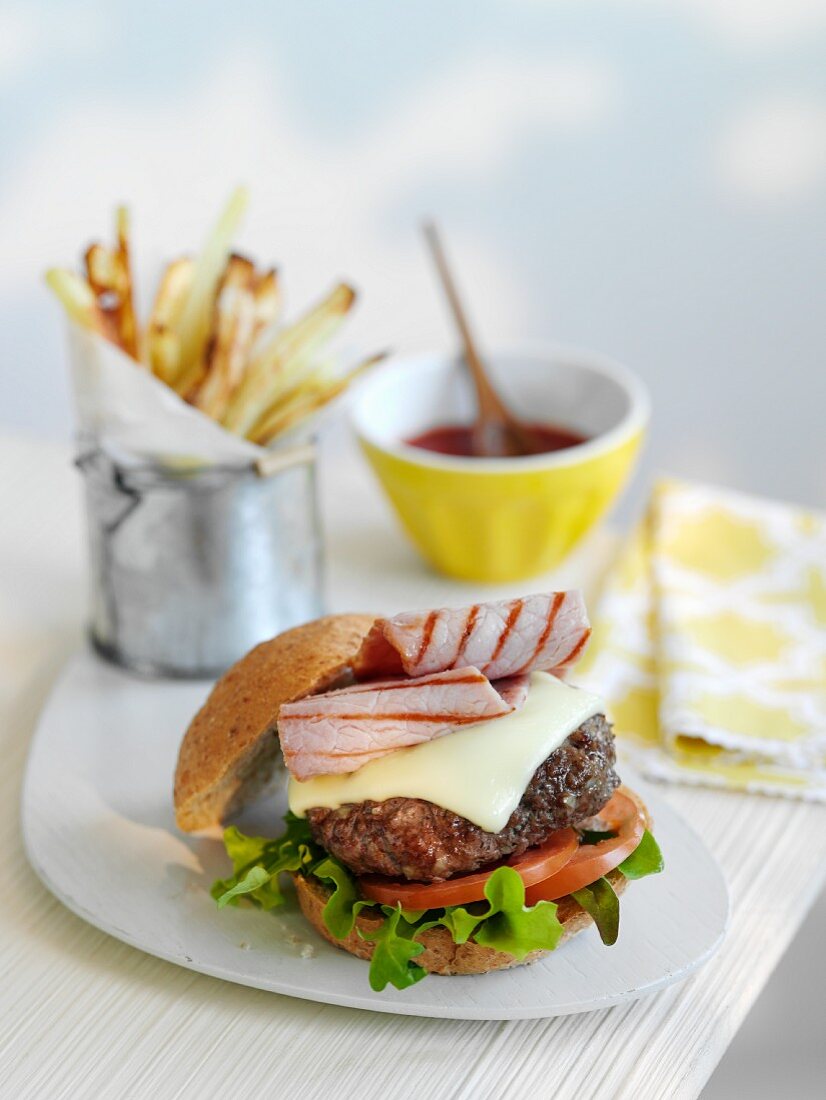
534,866
622,816
549,871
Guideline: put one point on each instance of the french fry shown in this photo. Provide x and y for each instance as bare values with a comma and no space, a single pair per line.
108,274
306,335
75,294
233,331
128,317
284,379
266,303
214,333
276,366
302,403
165,354
162,342
269,301
80,301
101,270
311,396
103,276
192,327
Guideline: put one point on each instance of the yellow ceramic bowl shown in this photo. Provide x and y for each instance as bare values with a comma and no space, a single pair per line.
510,518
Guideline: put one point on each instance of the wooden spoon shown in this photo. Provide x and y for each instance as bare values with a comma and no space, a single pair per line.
497,432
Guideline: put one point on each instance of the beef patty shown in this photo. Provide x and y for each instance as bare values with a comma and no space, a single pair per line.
414,839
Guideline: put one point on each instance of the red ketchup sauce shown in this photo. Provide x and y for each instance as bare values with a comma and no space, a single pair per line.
456,439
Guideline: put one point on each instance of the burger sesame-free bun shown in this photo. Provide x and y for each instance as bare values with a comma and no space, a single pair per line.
230,749
441,955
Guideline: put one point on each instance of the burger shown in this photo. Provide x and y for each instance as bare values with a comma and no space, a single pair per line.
454,806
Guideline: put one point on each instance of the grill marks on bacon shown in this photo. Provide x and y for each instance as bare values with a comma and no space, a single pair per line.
470,623
427,634
545,631
443,663
556,603
345,729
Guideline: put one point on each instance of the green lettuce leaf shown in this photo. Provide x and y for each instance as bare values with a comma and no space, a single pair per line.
297,834
246,850
594,836
344,903
459,922
646,859
509,925
255,879
258,862
601,903
394,939
394,951
413,915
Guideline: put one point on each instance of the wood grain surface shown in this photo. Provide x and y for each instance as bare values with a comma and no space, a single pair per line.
85,1016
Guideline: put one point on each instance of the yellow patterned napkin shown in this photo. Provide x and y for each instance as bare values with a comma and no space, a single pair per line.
710,643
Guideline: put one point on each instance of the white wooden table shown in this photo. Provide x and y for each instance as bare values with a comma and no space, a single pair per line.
84,1015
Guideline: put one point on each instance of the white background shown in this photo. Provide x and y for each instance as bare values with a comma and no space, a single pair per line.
644,177
641,176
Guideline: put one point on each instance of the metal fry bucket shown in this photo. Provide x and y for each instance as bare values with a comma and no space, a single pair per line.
189,569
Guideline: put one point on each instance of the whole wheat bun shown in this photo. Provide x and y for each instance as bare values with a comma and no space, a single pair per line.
229,752
441,955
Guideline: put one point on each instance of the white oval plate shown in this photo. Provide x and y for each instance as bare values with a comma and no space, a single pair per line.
99,831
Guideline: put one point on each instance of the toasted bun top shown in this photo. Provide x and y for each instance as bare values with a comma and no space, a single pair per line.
229,751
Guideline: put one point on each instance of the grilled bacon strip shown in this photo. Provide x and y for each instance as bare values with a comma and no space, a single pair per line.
546,631
343,730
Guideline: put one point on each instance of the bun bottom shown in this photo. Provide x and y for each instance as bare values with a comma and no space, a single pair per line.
441,955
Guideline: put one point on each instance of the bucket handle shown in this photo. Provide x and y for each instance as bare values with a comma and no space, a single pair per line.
273,462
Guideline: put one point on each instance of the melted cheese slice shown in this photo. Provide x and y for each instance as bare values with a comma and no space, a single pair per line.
479,772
